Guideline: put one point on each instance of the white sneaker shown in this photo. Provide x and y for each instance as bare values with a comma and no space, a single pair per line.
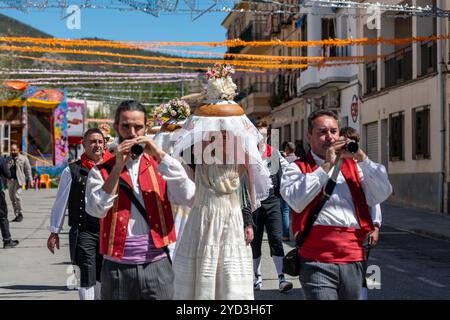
257,285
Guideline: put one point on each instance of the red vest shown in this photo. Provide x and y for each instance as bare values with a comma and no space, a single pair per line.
332,244
113,227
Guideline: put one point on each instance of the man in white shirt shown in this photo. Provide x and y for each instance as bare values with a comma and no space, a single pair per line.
136,230
333,254
84,229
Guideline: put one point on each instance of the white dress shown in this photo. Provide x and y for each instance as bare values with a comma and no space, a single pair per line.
165,140
212,260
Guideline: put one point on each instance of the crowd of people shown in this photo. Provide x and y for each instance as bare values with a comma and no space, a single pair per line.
122,210
150,225
182,214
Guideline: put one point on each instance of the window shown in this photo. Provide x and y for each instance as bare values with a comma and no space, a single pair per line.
329,32
428,57
396,136
328,28
398,67
421,133
296,133
371,140
371,78
287,132
344,122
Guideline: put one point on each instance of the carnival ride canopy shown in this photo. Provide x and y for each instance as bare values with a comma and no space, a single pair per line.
21,94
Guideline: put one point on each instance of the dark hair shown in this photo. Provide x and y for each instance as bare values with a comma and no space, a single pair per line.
320,113
349,133
129,105
92,131
290,146
261,124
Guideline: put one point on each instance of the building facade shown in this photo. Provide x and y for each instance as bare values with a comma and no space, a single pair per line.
402,112
398,98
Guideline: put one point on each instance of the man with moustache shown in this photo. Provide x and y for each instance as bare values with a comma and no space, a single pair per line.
132,194
85,229
332,255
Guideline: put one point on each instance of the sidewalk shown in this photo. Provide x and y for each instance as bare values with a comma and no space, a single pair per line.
30,271
420,221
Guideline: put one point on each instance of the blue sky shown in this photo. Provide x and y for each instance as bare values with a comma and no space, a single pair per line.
128,25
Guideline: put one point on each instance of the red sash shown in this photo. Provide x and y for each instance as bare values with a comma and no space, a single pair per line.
332,244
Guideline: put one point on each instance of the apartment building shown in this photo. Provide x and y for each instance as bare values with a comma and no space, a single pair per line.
403,111
400,101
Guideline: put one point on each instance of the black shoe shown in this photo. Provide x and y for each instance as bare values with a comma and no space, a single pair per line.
10,244
18,218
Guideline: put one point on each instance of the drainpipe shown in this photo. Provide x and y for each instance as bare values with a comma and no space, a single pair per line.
442,183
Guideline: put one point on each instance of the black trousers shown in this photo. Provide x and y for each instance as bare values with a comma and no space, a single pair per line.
85,254
269,216
4,223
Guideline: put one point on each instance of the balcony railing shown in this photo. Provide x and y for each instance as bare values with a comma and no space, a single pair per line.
398,67
283,88
329,51
257,87
235,49
256,31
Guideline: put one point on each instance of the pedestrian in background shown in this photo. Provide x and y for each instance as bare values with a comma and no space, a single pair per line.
20,175
375,212
4,223
269,216
289,155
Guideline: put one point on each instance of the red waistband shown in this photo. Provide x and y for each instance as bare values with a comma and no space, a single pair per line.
331,244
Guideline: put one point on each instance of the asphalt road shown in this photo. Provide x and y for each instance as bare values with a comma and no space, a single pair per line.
410,266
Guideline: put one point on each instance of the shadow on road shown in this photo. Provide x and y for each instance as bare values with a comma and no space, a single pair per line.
294,294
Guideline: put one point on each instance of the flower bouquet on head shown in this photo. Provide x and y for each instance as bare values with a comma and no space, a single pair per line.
220,83
158,115
170,114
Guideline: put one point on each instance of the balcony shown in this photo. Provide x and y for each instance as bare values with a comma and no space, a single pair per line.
284,88
398,67
316,79
255,99
235,49
255,31
276,25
